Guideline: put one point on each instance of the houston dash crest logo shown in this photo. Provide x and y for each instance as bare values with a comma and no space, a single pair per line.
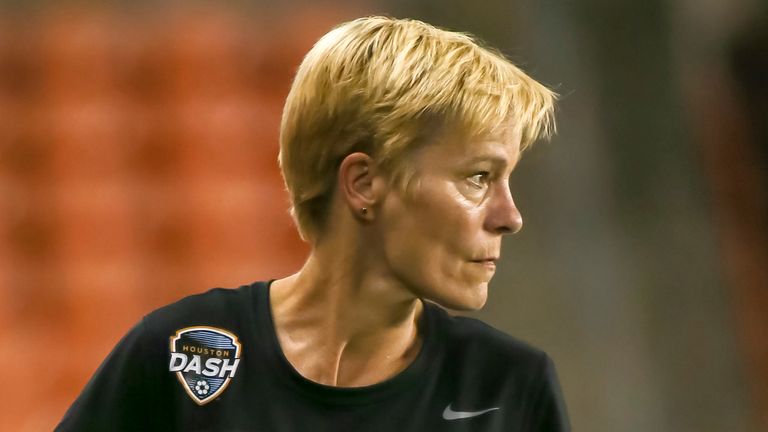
205,360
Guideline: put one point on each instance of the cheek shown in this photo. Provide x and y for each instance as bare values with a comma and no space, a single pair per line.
430,231
429,244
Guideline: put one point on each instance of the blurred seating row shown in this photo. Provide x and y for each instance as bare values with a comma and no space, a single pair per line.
138,164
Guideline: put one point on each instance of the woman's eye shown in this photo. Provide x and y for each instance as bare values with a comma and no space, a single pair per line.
480,179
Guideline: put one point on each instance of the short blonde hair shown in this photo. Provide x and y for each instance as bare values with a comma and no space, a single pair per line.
384,86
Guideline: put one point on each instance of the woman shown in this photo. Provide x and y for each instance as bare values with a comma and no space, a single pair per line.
397,143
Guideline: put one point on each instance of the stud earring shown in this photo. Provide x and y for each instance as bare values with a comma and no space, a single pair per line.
364,210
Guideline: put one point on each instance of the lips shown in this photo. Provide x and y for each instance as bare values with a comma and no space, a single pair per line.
487,263
486,260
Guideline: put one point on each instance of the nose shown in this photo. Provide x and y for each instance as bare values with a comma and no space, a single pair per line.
503,216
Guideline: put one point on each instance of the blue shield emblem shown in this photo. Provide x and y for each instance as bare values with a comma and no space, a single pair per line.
204,360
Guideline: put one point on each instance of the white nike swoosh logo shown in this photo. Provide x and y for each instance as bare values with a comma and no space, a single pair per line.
450,414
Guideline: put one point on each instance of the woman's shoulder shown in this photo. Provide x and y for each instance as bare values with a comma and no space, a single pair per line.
226,308
472,337
212,300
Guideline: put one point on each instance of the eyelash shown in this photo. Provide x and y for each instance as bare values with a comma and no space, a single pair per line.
484,175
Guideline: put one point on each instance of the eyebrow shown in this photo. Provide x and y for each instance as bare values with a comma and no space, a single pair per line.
495,159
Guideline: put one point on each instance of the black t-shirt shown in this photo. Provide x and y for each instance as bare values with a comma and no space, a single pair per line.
212,362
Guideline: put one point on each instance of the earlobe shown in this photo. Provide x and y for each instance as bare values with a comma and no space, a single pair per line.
356,181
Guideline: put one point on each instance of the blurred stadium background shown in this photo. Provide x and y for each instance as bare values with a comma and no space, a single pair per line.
138,145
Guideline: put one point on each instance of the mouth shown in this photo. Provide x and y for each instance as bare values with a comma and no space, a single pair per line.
485,259
486,262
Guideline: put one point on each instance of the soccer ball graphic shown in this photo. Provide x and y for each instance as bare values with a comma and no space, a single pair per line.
202,387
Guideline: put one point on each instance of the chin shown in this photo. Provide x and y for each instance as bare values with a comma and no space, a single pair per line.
467,299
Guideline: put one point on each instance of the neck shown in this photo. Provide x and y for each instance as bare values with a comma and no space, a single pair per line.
343,321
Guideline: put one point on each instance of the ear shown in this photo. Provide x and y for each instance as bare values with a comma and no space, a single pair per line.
360,184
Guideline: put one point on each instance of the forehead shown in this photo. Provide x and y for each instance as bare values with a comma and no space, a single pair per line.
451,148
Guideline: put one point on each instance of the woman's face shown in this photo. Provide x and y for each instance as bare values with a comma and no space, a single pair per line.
443,239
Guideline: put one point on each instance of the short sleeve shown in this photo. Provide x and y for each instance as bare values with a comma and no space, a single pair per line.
120,395
547,412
